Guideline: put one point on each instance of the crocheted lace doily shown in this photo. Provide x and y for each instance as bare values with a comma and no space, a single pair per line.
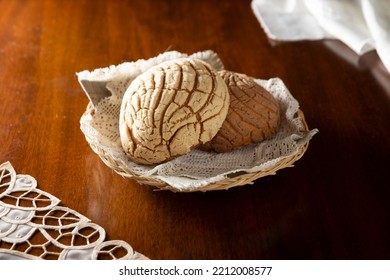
34,226
197,169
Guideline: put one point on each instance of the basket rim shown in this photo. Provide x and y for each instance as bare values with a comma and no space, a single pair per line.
242,178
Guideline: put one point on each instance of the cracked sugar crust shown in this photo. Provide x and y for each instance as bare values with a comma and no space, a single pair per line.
253,116
171,109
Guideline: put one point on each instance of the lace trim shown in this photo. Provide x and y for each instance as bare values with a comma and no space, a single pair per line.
34,226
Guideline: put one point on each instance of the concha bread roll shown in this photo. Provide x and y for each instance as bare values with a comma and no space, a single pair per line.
254,114
170,109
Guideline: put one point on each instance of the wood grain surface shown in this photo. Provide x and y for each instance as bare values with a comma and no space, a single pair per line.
333,204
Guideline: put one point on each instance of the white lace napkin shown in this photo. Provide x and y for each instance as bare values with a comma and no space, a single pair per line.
363,25
33,226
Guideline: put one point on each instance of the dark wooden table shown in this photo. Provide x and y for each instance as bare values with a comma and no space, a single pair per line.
334,204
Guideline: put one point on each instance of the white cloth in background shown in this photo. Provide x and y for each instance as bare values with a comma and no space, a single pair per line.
363,25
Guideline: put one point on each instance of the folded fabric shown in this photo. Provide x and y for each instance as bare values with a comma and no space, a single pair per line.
362,25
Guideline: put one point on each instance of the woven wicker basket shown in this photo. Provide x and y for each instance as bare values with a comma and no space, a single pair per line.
232,181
